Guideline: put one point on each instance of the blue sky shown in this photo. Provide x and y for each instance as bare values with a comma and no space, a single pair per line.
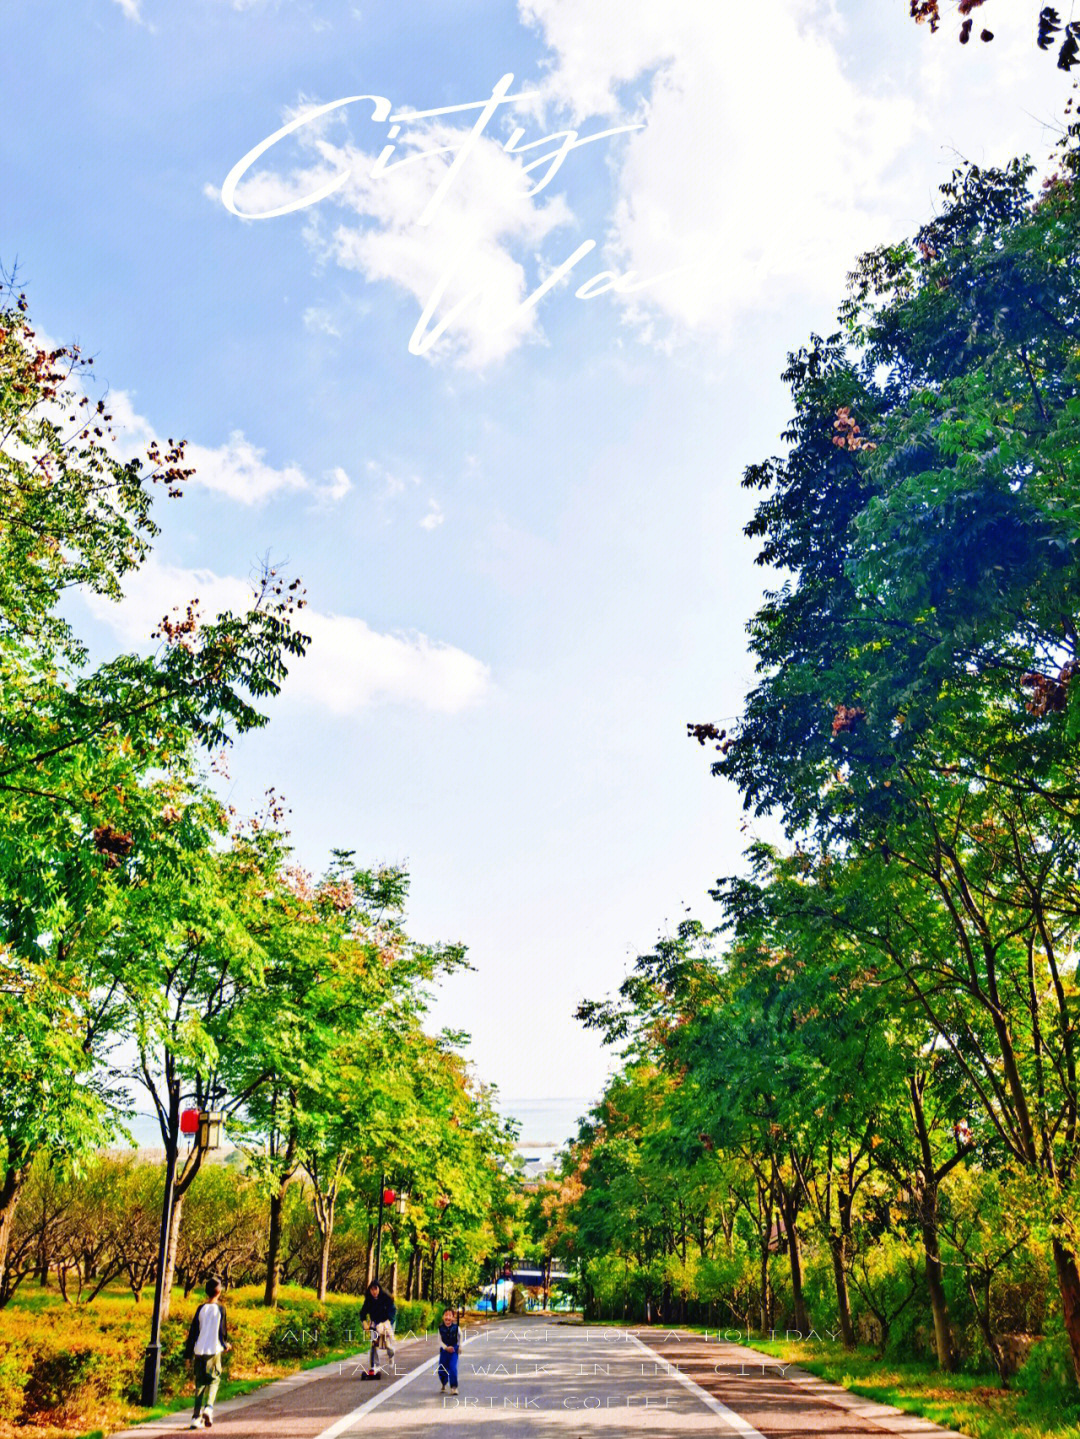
523,551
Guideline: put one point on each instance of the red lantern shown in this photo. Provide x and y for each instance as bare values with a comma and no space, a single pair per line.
388,1196
189,1121
446,1254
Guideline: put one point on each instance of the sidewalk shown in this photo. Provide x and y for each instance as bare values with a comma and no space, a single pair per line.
761,1390
286,1405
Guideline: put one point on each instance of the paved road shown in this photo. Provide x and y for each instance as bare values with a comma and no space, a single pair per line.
530,1379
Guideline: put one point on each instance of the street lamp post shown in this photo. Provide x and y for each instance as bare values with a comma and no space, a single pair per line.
378,1228
442,1204
386,1196
152,1357
400,1204
205,1129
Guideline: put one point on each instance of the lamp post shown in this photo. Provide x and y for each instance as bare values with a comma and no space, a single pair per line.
442,1204
386,1196
205,1130
383,1192
399,1204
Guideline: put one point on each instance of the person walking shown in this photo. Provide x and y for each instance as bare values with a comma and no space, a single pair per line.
380,1308
449,1349
207,1340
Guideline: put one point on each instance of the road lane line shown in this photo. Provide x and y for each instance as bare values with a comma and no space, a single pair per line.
737,1424
340,1425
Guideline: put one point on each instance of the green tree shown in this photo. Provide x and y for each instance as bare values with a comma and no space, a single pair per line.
915,700
81,750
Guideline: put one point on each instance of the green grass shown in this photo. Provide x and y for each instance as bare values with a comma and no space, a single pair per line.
232,1389
60,1343
974,1404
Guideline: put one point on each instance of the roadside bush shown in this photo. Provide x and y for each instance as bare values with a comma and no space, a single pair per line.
13,1381
418,1316
1047,1375
67,1367
65,1382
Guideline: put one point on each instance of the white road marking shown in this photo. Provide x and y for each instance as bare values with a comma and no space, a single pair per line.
339,1426
737,1424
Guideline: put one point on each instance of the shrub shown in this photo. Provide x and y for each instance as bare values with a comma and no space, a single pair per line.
1047,1375
62,1382
13,1381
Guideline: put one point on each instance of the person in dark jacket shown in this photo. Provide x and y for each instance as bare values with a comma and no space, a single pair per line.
449,1349
380,1308
207,1340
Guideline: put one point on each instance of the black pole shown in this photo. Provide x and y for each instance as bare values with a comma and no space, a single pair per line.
378,1231
152,1359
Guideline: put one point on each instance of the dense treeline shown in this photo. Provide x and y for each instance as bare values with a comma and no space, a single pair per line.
157,948
96,1231
853,1104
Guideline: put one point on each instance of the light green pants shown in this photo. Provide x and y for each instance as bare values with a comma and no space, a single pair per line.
207,1378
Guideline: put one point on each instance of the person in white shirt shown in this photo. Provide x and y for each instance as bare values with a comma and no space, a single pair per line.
208,1339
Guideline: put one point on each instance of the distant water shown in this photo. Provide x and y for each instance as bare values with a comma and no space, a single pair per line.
545,1123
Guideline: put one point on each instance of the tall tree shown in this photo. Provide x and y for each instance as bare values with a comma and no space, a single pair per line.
915,699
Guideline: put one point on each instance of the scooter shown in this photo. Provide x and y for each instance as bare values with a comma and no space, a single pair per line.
373,1371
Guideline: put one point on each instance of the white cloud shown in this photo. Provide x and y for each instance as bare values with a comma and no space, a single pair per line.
761,166
485,223
337,484
391,483
237,469
320,321
762,170
772,156
131,8
349,667
434,517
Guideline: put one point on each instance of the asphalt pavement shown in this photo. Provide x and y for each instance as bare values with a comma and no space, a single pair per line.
533,1378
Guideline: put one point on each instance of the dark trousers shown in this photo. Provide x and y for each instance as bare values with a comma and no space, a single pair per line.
448,1367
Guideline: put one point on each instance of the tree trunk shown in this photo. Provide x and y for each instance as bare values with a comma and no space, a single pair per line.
764,1313
943,1340
838,1247
790,1210
324,1219
1069,1285
170,1256
324,1266
273,1244
982,1314
928,1221
14,1179
802,1320
765,1196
